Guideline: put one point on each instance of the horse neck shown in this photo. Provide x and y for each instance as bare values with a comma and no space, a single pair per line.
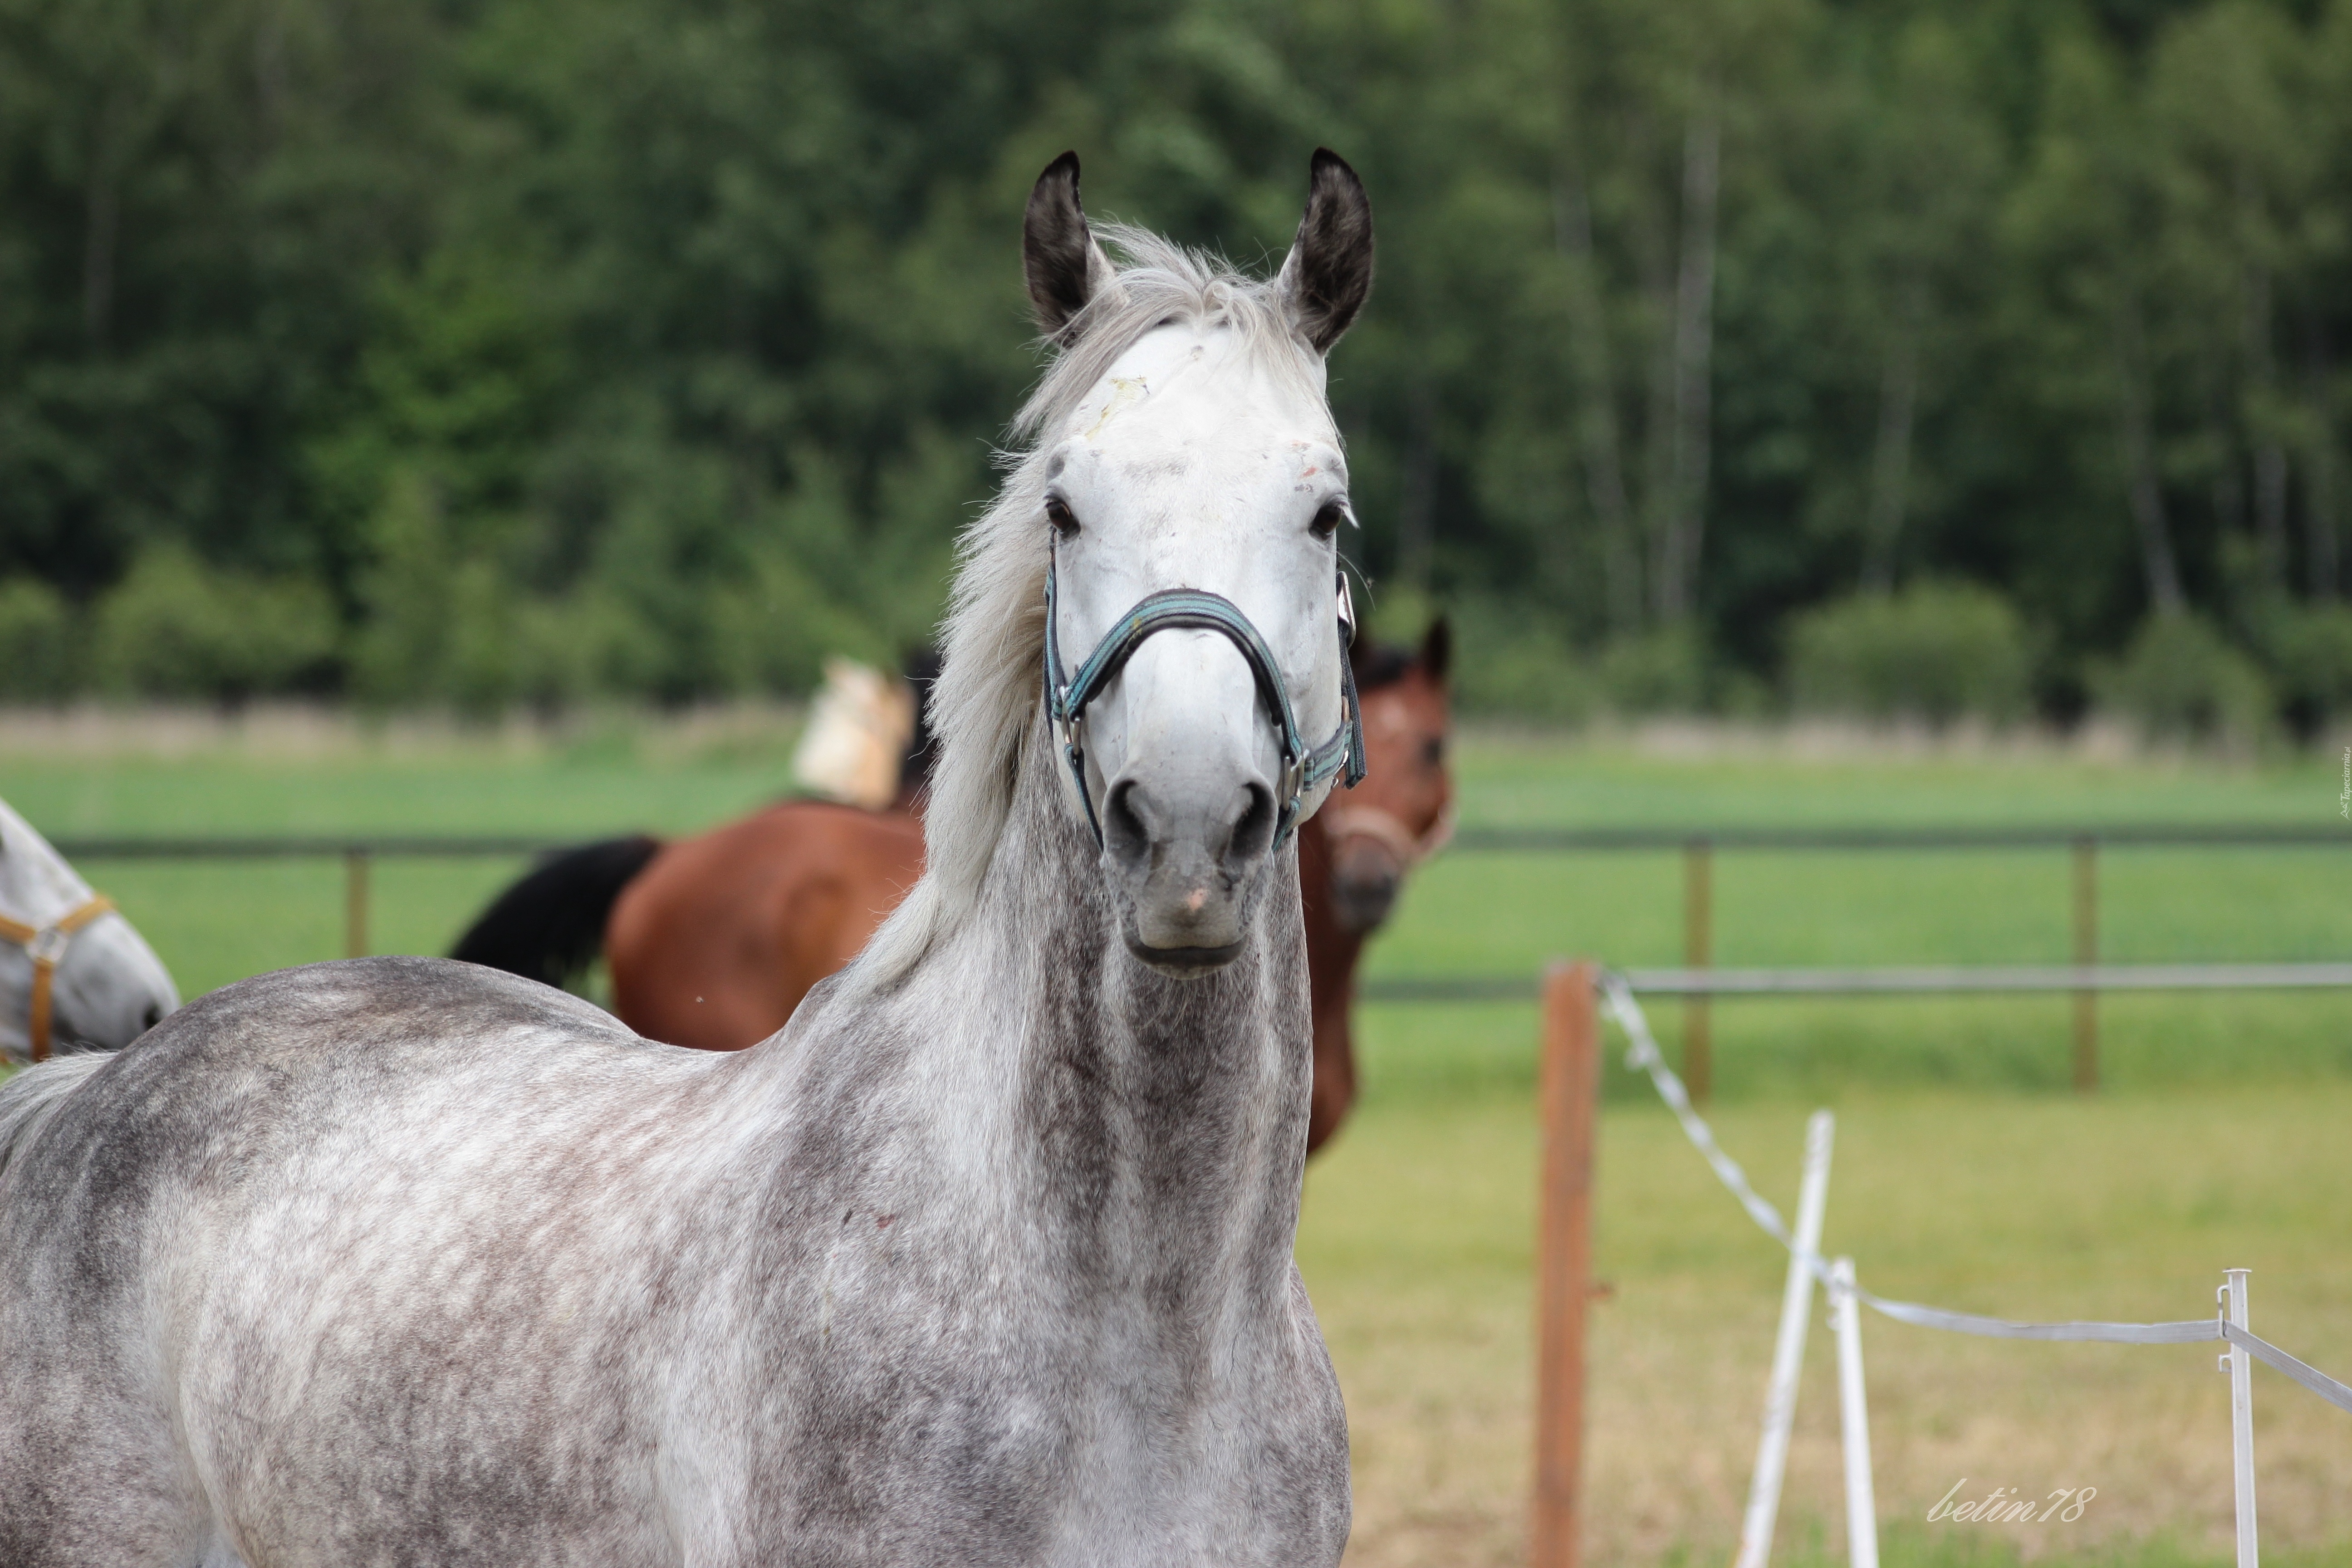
1332,950
1162,1121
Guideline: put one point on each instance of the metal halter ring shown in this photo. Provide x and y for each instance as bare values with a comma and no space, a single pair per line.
1197,609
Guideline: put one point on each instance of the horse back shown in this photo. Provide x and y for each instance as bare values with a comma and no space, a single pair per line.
717,941
281,1082
319,1238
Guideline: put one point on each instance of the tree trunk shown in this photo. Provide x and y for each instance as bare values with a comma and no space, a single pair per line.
1694,363
2142,487
2270,453
101,219
1605,475
1890,466
1654,259
2270,510
2323,478
1416,520
2228,486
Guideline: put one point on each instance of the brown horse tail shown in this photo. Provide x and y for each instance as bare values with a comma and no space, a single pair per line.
549,926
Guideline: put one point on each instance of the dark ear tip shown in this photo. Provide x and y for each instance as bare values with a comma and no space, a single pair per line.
1437,647
1327,169
1060,175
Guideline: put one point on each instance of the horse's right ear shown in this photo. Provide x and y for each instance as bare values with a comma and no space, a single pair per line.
1328,276
1437,649
1065,267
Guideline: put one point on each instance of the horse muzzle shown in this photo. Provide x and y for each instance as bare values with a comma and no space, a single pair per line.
1365,878
1372,851
1190,823
1190,861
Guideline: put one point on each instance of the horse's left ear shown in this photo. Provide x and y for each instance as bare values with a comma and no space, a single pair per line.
1328,273
1437,649
1063,265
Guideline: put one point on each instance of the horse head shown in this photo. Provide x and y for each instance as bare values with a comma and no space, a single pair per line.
103,987
1192,492
1404,812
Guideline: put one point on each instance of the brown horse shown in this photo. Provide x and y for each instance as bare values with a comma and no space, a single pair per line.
712,940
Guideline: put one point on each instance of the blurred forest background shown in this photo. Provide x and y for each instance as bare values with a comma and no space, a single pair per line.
1927,358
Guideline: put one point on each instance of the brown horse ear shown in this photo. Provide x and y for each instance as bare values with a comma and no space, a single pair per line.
1437,649
1064,266
1329,274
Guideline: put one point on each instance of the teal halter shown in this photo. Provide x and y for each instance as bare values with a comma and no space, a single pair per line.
1197,609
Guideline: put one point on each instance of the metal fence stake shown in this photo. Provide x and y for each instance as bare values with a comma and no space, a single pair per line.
2241,1368
1788,1349
1570,1083
356,903
1854,1420
1698,952
2087,953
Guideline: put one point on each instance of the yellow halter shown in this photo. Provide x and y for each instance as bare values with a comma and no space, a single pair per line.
46,946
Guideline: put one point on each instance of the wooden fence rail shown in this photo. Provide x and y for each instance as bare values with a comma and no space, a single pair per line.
1697,847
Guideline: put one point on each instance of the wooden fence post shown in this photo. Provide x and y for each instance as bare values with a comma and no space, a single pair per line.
2086,953
1698,952
356,903
1569,1084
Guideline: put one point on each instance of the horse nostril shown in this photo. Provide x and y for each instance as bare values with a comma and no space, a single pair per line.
152,1016
1125,832
1253,833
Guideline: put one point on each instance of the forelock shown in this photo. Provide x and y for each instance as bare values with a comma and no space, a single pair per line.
1162,284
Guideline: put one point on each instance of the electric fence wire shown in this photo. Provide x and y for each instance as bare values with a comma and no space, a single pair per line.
1643,1056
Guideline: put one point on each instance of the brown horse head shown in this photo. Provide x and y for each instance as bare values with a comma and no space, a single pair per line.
1404,811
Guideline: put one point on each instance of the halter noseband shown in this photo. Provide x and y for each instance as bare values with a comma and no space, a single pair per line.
1199,610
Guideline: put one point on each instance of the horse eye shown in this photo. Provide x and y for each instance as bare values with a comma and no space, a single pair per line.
1326,521
1058,513
1432,750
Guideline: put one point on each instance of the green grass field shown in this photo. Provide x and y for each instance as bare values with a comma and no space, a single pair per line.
1466,913
1966,1174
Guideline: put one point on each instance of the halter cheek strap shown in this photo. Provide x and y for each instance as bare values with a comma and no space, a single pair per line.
46,946
1198,610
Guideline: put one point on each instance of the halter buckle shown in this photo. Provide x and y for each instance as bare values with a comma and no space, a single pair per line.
1293,781
48,944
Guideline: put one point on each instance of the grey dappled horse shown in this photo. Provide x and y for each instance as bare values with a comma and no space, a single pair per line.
73,973
986,1258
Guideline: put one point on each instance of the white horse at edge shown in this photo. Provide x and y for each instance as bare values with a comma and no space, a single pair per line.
74,974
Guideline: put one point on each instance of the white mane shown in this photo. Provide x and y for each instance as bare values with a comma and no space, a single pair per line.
993,641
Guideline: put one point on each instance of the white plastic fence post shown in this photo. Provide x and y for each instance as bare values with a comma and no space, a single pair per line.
2241,1367
1788,1350
1861,1505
